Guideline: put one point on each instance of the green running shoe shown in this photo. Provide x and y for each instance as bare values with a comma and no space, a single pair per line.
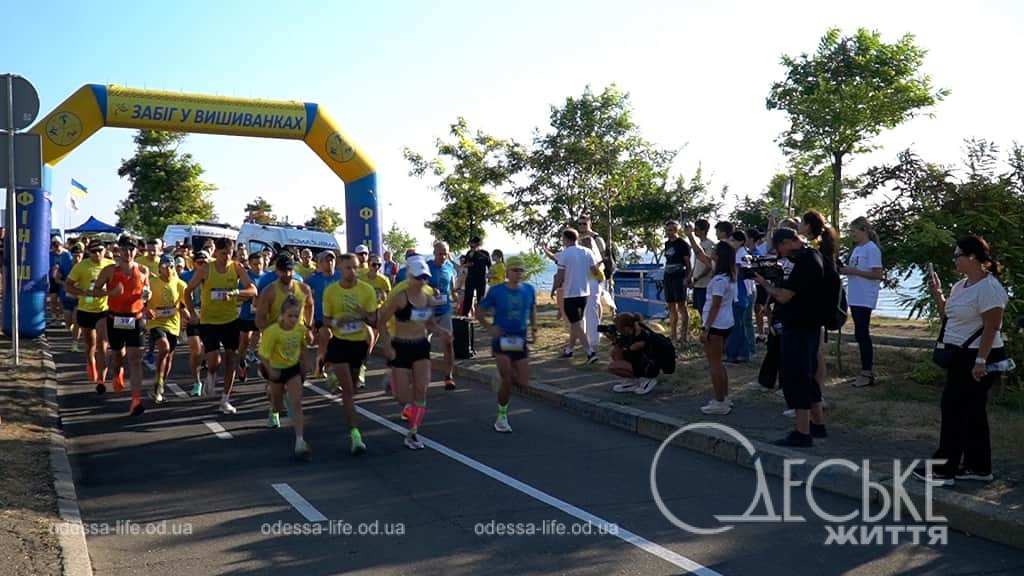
274,420
357,442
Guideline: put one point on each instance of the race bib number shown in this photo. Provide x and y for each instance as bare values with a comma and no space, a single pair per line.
220,295
442,299
124,323
512,344
421,314
349,327
165,312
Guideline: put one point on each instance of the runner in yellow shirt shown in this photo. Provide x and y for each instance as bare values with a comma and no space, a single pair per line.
163,311
92,311
305,267
281,354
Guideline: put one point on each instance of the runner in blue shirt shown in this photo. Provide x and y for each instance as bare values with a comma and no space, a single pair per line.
248,335
442,280
323,277
514,307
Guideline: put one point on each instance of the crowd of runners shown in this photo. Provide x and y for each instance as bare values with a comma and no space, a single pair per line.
287,317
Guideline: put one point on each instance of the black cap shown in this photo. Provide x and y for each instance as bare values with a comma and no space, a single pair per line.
783,234
474,240
126,242
284,262
95,246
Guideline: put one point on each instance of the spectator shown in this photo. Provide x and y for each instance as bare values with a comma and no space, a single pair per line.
757,247
972,324
478,261
864,279
814,227
591,241
740,344
718,321
576,266
677,275
497,273
702,273
724,230
390,267
633,355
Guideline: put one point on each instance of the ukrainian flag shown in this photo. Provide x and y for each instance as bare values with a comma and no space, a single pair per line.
78,192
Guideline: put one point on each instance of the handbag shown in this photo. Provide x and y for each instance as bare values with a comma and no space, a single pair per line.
941,353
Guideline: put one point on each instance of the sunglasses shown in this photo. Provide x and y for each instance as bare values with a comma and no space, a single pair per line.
375,264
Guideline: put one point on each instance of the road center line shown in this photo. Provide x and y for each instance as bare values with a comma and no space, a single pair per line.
217,429
623,534
307,510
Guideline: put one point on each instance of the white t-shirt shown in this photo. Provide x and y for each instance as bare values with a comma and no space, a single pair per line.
577,262
862,291
721,285
699,267
965,307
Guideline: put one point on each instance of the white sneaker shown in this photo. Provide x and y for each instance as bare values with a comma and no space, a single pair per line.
412,442
158,397
628,386
646,386
715,407
227,408
791,413
501,425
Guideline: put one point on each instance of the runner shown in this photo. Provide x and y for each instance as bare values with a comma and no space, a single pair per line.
163,312
399,394
382,287
58,257
218,320
318,282
126,284
150,258
70,303
363,256
514,305
92,312
409,350
349,306
196,358
442,279
281,354
248,335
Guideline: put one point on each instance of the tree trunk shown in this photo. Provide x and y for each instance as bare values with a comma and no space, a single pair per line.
837,184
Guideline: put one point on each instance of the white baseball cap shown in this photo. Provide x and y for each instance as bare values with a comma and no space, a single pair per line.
416,267
362,249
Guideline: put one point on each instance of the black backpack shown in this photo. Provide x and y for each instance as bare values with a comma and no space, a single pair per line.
662,351
837,310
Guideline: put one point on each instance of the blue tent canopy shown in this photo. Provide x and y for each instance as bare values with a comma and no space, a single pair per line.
94,226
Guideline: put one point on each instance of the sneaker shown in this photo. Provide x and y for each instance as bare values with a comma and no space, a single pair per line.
818,431
936,478
968,474
592,358
716,408
412,442
407,413
357,442
796,440
646,386
76,347
501,425
864,380
449,383
197,389
158,398
566,354
227,408
149,361
332,382
136,408
791,413
100,388
302,450
625,386
361,381
274,419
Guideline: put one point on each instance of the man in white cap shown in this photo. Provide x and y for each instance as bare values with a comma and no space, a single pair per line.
363,260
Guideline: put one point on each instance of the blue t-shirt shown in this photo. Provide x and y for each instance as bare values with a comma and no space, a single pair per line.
441,281
511,307
186,276
318,282
65,263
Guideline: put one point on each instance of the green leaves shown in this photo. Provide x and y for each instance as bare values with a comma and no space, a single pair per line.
325,218
167,187
397,241
260,211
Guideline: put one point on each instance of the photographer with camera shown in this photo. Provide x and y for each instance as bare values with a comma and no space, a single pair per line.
801,308
638,353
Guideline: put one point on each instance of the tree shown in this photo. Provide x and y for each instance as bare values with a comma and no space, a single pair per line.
752,213
845,94
534,264
167,186
325,218
260,211
472,169
811,190
397,241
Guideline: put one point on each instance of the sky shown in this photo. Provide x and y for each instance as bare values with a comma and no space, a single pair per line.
396,73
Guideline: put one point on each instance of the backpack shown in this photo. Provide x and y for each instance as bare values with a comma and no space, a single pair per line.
662,351
837,310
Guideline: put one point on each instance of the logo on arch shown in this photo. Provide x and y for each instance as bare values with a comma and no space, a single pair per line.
338,149
63,129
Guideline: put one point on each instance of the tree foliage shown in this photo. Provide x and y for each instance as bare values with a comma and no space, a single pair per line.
845,94
472,170
167,186
325,218
397,241
260,211
534,264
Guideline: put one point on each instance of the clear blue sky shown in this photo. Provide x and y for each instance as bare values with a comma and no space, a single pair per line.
395,73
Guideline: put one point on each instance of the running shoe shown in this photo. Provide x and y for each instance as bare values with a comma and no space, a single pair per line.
646,386
936,478
332,382
502,425
449,383
357,442
716,408
412,442
76,347
566,354
361,381
273,419
149,361
790,413
197,389
407,412
227,408
592,358
818,431
100,388
136,408
625,386
966,473
302,450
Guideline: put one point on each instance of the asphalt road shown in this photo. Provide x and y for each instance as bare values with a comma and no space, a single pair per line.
184,490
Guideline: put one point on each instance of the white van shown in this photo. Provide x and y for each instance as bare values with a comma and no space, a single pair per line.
195,235
256,237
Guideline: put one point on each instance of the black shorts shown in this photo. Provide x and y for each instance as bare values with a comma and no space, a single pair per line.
675,288
192,331
246,325
723,332
119,338
162,334
215,335
515,355
798,349
574,308
54,287
288,373
69,304
349,352
643,365
408,352
89,320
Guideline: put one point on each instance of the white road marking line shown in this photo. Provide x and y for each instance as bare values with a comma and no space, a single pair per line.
217,429
176,389
307,510
623,534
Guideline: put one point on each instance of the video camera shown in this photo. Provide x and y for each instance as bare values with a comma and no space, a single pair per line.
767,266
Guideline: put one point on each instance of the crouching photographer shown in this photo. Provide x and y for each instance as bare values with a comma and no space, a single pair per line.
639,354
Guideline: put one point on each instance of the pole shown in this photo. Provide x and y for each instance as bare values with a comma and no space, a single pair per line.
12,223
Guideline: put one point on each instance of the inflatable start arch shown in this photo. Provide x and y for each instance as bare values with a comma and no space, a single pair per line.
94,106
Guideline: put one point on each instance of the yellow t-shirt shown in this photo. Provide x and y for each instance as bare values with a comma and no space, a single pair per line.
279,297
219,307
340,303
165,302
152,263
84,275
282,348
304,271
497,274
380,284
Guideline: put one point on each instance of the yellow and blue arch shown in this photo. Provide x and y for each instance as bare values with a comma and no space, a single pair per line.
95,106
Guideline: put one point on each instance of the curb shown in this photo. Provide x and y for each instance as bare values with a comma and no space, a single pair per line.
70,533
964,513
